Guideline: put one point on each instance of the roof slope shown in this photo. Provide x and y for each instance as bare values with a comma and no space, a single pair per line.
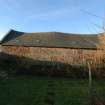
50,39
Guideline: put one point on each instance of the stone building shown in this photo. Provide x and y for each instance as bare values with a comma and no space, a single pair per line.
73,49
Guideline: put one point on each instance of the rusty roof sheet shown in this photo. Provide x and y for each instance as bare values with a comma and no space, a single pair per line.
51,39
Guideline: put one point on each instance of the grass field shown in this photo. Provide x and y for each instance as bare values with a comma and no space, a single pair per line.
31,90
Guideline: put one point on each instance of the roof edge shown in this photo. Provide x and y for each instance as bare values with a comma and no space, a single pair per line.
12,30
55,47
6,35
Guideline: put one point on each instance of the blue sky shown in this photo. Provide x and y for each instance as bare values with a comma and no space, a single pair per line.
52,15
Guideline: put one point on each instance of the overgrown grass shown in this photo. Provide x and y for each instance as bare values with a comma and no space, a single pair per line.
31,90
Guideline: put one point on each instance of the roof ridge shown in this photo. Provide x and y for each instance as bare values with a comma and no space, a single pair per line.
81,34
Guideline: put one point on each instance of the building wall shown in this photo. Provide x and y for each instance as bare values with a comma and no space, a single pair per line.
64,55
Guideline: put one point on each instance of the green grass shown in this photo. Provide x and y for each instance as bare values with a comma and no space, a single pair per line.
30,90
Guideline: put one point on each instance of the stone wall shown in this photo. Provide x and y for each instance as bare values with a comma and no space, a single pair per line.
63,55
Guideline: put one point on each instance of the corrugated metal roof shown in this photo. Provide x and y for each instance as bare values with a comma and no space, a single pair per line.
51,39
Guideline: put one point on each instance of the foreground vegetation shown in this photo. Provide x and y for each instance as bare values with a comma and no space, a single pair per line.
31,90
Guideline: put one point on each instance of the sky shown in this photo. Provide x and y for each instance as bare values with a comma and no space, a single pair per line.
71,16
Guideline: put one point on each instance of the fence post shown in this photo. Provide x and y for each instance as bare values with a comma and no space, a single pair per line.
89,63
90,75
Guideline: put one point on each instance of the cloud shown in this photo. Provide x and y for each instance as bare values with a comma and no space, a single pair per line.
53,14
16,7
